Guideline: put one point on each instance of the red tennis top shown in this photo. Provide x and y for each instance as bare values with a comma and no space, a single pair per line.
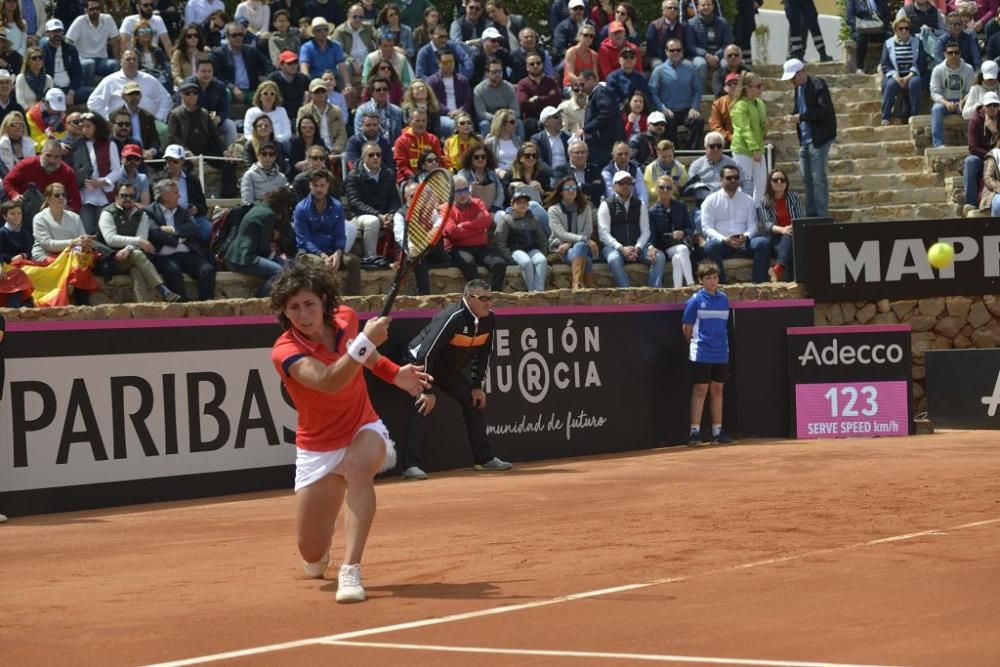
326,421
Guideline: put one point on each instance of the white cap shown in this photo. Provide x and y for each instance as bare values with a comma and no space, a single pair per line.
621,176
319,21
492,33
989,70
54,24
174,151
656,117
792,67
4,74
56,99
547,112
990,98
576,3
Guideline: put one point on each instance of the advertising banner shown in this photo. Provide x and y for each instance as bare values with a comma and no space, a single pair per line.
963,388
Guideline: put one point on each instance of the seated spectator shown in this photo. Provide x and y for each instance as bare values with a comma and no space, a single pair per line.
985,82
213,97
522,240
866,9
282,38
257,14
552,142
121,130
15,247
665,165
566,33
370,130
15,26
581,55
34,174
705,173
318,158
263,133
410,146
192,195
659,31
749,116
15,144
636,113
528,174
721,120
131,165
588,175
608,54
571,220
903,59
989,201
198,11
494,95
621,161
535,92
427,163
184,59
705,38
306,136
125,229
461,141
429,21
625,81
625,14
387,53
642,145
320,229
152,59
145,13
451,91
63,60
326,116
107,95
572,109
58,233
245,71
479,171
267,101
775,214
263,176
466,237
468,28
293,85
32,83
357,39
602,13
383,70
493,48
264,240
671,231
733,65
957,35
98,168
179,248
419,96
950,83
214,28
729,223
372,198
10,60
436,257
503,140
623,227
335,98
427,59
192,127
676,91
142,123
8,103
322,53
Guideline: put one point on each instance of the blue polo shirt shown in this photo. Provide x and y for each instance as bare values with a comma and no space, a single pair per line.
708,316
321,60
319,233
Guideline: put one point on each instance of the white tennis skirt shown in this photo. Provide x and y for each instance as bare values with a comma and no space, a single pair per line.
311,466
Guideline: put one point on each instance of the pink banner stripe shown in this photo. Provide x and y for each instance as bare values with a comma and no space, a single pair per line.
77,325
847,329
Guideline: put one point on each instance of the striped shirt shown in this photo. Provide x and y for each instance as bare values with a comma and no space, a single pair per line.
708,315
904,55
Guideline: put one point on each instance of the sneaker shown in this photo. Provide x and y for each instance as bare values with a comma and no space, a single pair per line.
3,518
723,439
493,464
775,273
860,71
316,570
413,472
349,587
695,439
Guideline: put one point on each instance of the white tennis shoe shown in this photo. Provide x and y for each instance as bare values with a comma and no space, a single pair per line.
349,587
316,570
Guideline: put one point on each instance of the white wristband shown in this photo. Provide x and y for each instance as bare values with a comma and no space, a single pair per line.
361,348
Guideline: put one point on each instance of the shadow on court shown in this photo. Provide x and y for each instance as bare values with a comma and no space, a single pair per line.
438,590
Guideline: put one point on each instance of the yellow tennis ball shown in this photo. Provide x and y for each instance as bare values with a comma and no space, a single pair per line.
940,255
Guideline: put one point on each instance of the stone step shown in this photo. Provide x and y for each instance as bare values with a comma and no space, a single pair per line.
812,69
844,120
844,104
852,135
838,83
872,166
905,183
862,92
897,212
875,149
857,198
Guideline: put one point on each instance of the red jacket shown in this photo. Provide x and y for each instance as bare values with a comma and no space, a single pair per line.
407,151
29,171
467,226
607,57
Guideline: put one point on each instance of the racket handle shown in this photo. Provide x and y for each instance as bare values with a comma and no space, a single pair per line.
390,299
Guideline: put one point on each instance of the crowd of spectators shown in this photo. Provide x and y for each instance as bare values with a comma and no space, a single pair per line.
319,116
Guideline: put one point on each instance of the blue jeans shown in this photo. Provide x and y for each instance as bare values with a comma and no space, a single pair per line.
812,166
616,263
537,210
938,112
447,126
264,268
533,265
995,207
578,250
758,248
97,66
782,245
972,171
484,128
892,89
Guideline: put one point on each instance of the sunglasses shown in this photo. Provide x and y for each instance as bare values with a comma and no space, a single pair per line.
462,191
730,178
373,155
237,35
187,93
268,154
59,195
673,50
627,56
317,158
511,121
953,53
569,188
118,124
483,298
431,158
381,89
36,58
903,28
190,35
530,156
483,157
715,146
779,179
732,55
464,122
495,72
126,195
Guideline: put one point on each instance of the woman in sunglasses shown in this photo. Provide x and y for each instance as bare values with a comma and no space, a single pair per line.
775,214
32,83
903,59
458,143
152,59
97,162
267,101
182,60
580,56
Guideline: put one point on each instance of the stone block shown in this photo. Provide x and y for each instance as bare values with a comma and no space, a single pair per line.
921,322
903,308
919,372
958,306
962,341
987,336
947,159
978,315
932,306
835,315
885,318
921,342
866,313
992,303
849,309
949,326
820,312
883,305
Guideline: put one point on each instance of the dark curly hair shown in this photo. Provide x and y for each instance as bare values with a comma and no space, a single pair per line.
305,272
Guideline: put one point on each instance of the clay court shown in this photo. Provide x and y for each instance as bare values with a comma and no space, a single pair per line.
860,552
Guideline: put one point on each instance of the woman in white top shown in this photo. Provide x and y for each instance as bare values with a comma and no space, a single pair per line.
985,82
32,83
256,13
98,167
267,102
503,140
15,144
16,28
57,228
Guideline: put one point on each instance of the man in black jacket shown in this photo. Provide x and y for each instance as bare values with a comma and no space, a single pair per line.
255,64
588,175
174,233
602,119
815,121
372,197
455,349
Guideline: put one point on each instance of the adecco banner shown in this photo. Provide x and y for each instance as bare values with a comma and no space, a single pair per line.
851,381
874,260
101,413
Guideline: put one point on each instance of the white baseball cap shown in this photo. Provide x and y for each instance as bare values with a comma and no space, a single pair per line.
54,24
491,33
174,152
56,99
989,70
656,117
990,98
548,112
576,3
792,67
621,176
4,74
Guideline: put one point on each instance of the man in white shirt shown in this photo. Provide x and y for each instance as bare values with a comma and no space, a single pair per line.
160,33
623,228
93,34
197,11
107,96
729,223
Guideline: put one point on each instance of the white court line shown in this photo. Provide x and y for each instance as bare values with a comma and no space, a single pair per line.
648,657
272,648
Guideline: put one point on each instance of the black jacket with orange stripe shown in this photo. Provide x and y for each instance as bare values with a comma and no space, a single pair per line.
455,342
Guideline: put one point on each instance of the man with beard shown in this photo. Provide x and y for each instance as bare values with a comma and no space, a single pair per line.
62,60
160,32
41,171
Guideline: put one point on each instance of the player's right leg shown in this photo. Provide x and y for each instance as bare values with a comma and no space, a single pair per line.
316,515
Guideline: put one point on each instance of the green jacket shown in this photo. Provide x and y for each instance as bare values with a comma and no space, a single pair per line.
749,123
253,240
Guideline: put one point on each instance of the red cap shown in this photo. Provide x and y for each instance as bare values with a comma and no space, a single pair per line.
131,150
615,26
732,76
288,57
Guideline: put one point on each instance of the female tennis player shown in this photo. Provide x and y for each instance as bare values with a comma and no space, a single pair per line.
341,442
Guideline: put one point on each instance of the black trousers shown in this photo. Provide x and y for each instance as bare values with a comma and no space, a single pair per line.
173,267
436,258
467,257
460,389
694,127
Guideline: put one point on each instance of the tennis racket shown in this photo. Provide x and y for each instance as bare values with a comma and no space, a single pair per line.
424,224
